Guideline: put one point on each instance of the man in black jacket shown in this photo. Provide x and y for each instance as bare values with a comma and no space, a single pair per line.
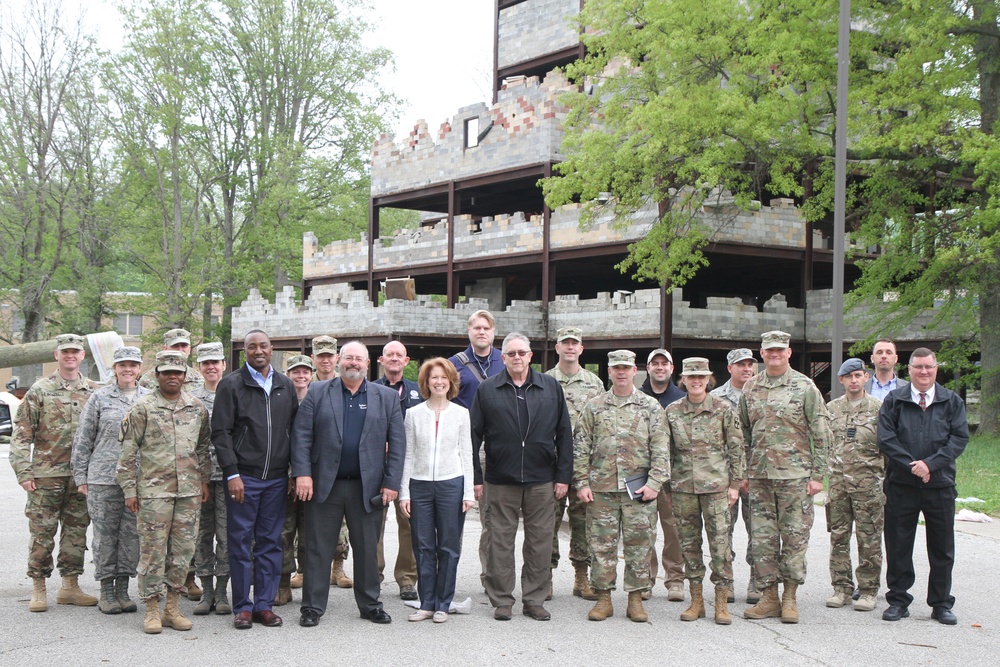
522,419
922,429
253,414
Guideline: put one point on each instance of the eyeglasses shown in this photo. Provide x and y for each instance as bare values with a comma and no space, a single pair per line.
928,367
516,353
350,358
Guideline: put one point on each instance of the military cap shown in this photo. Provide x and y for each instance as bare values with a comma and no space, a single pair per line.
299,360
696,366
177,336
69,342
659,352
738,355
569,332
324,345
849,366
210,352
621,358
774,340
128,353
170,360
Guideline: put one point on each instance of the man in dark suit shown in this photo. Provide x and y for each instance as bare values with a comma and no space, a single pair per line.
347,447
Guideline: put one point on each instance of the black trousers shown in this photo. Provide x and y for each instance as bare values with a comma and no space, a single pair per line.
322,527
903,506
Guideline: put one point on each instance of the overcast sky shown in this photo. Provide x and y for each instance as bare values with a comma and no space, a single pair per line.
444,52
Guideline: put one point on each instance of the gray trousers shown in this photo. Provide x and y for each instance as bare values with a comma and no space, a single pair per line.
116,543
507,504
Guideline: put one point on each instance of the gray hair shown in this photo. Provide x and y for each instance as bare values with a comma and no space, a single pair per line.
355,342
386,346
515,335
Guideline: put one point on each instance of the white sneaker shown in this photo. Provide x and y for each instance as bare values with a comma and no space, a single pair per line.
440,616
421,615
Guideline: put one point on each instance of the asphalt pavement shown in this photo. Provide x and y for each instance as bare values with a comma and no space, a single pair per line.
67,635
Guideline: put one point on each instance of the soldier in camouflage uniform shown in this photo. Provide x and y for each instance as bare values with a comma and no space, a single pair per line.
178,340
855,495
211,555
786,429
622,435
300,371
706,470
96,450
579,386
40,450
164,470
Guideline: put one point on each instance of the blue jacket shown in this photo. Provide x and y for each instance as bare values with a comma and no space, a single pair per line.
468,381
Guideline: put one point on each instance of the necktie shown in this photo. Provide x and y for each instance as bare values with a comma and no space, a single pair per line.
923,401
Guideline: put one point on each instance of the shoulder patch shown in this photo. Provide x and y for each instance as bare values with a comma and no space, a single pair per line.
123,431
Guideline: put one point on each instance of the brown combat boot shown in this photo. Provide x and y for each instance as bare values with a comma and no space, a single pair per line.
172,616
70,593
722,616
789,608
697,608
193,591
602,608
151,624
38,600
635,610
337,576
284,590
581,583
297,580
767,607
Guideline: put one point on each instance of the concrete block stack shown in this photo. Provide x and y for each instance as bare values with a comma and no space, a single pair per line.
535,28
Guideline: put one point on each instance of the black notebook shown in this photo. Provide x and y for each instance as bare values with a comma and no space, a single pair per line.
635,482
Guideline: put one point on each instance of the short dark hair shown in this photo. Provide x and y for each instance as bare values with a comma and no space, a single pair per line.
424,374
922,352
885,340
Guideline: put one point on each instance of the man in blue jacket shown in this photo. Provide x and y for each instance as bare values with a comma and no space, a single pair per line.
922,429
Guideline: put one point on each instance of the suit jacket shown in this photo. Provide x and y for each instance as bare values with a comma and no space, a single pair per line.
317,440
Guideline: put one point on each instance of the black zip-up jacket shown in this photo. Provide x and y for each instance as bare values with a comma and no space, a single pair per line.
670,394
936,436
546,453
250,430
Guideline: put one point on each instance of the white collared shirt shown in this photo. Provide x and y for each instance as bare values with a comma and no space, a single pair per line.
928,395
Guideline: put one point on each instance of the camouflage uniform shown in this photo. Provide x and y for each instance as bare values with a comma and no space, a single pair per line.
855,495
787,434
40,450
171,441
706,460
731,396
211,556
620,436
96,449
578,389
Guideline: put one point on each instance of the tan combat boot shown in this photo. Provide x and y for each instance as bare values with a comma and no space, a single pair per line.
337,576
284,590
635,610
172,616
297,580
38,599
789,608
70,593
602,608
767,607
193,591
840,598
697,608
151,624
722,616
581,583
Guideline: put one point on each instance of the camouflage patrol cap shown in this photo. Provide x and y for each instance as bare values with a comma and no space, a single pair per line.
774,340
69,342
569,332
849,366
324,345
659,352
128,353
738,355
299,360
176,337
170,360
621,358
696,366
211,352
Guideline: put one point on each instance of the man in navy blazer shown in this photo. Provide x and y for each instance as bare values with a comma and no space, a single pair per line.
347,453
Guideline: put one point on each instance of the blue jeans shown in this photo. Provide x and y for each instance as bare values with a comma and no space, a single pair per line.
436,523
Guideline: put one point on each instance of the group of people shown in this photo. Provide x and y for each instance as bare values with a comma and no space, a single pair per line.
256,482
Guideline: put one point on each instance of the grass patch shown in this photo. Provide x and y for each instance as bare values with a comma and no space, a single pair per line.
979,475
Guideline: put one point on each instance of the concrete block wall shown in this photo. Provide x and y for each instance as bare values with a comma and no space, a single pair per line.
536,28
858,322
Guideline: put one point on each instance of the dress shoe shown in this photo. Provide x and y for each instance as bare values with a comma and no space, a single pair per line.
895,612
537,612
243,621
502,613
440,617
379,616
267,617
944,616
420,615
407,592
309,619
